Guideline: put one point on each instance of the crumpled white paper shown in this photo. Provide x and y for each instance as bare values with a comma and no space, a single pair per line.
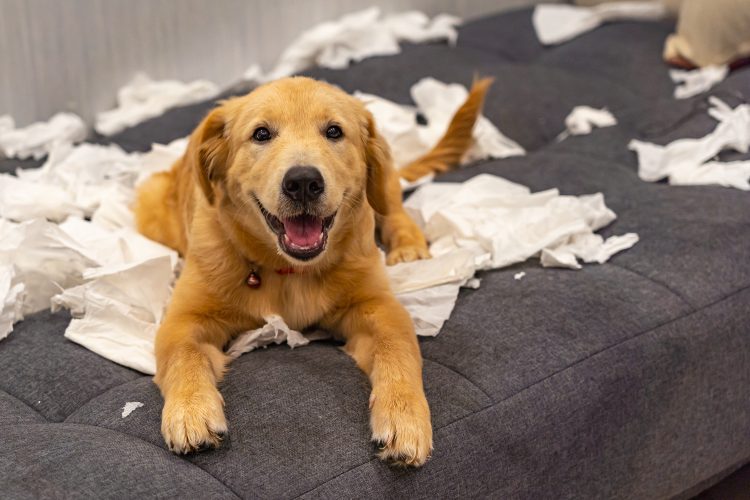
11,307
275,331
503,223
144,98
686,161
116,282
130,407
437,102
697,81
88,180
38,139
353,37
558,23
583,119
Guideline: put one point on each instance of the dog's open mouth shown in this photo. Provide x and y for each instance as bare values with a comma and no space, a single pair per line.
303,236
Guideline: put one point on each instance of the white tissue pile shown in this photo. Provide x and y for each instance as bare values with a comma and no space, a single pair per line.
558,23
353,37
687,161
37,140
144,98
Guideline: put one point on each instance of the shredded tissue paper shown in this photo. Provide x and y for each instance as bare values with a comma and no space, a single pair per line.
697,81
686,161
130,407
559,23
144,98
583,119
38,139
353,37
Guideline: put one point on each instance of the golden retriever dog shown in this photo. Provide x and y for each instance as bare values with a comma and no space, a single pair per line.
274,207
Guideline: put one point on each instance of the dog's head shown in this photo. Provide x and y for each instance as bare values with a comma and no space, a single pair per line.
291,162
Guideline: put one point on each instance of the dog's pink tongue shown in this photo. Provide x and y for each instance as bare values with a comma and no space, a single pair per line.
304,230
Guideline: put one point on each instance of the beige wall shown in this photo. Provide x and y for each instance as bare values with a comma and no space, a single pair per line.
74,54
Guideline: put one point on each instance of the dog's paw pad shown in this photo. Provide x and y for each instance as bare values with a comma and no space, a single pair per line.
402,430
188,426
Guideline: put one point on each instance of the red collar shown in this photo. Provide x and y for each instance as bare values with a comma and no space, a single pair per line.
287,270
253,279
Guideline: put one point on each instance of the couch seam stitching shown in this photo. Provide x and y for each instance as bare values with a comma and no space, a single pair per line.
133,436
690,305
517,393
91,399
28,406
464,377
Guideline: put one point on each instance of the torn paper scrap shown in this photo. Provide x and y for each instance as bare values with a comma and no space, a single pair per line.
275,331
684,161
119,299
87,180
451,267
49,258
117,310
430,307
697,81
558,23
437,102
353,37
583,119
589,248
733,174
73,181
519,276
144,98
38,139
11,300
45,259
503,223
130,407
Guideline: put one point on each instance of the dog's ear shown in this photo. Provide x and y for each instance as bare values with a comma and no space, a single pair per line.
208,151
382,178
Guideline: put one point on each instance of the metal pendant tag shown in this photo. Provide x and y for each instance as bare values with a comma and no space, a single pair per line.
253,280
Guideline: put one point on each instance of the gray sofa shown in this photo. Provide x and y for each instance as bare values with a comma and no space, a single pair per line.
622,380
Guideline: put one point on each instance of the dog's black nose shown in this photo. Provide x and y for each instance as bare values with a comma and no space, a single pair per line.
303,183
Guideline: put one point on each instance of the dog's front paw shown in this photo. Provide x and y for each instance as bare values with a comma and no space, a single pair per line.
401,426
407,253
194,422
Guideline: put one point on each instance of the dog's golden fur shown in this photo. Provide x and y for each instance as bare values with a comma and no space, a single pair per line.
208,207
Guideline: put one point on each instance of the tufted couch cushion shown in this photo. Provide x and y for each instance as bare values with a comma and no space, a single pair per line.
622,380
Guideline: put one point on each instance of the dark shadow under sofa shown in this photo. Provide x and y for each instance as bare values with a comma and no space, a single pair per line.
623,380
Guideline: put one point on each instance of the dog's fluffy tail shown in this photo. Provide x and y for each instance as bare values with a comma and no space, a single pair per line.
456,140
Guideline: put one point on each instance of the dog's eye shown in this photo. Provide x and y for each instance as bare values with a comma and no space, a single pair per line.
262,134
334,132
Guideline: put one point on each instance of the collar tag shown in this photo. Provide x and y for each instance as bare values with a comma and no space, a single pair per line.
253,279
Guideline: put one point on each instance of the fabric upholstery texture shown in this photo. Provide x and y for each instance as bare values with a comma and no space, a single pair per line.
622,380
